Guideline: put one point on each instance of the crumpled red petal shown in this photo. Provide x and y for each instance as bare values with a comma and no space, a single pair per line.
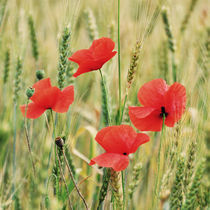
151,122
112,160
33,111
152,93
64,100
175,100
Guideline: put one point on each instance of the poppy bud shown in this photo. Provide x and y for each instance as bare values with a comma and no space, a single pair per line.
29,92
59,142
40,74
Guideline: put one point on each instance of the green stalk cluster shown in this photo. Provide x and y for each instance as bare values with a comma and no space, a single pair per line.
34,43
176,196
64,53
191,201
116,184
163,61
133,63
104,187
17,80
135,179
171,44
187,16
189,165
6,66
91,24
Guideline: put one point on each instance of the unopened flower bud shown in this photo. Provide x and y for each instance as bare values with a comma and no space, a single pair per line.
29,92
40,74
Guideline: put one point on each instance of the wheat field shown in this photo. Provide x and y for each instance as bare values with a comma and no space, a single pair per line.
153,39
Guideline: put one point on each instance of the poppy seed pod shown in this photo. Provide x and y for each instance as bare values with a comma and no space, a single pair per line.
59,142
40,74
30,92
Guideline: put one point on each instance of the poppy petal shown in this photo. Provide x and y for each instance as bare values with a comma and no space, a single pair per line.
175,100
41,85
64,100
111,160
81,56
152,121
116,139
140,139
33,111
141,112
101,47
47,97
81,70
152,93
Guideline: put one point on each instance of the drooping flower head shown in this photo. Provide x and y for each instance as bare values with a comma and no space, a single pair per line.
158,100
94,58
48,97
118,142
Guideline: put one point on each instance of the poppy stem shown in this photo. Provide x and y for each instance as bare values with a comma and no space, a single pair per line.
27,138
123,108
157,183
119,67
74,182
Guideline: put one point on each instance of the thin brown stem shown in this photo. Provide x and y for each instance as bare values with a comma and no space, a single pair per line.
74,182
64,181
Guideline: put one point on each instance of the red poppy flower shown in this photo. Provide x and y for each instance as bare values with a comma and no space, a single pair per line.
48,97
118,142
158,99
94,58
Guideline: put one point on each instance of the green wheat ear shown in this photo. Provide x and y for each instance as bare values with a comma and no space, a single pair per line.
6,66
171,42
135,179
189,168
34,43
191,201
133,63
163,61
187,16
64,53
91,25
176,196
17,80
104,187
